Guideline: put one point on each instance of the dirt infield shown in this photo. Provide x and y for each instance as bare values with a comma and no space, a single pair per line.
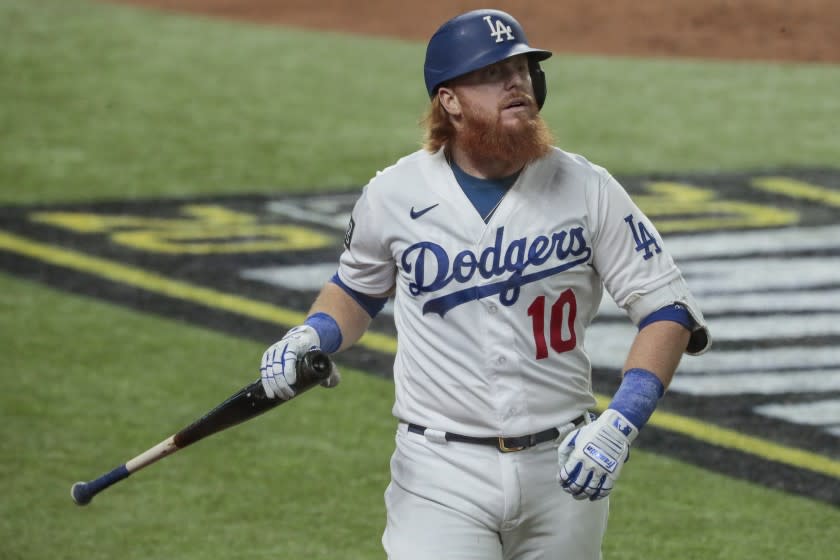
805,30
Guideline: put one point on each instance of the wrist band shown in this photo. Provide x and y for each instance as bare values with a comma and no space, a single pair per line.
638,396
327,329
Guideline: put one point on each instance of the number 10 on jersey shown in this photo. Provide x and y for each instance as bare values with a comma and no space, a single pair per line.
561,323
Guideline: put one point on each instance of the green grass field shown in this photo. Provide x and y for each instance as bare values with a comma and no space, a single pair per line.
105,102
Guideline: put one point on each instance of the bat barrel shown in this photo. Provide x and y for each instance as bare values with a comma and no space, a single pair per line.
83,492
314,367
251,401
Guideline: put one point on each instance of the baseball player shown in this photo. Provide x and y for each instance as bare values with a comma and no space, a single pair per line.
497,248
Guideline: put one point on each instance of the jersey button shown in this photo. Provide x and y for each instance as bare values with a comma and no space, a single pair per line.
500,360
492,308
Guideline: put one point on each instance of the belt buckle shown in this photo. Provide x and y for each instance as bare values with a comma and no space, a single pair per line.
504,449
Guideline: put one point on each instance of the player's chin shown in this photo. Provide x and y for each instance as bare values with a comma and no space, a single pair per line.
518,112
516,121
526,112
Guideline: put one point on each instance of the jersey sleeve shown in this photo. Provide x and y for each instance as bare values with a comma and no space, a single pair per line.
636,268
366,265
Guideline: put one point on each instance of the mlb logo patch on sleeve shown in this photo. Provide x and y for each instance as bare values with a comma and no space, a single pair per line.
348,235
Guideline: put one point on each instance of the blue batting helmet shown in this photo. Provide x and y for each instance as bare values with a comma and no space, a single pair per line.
477,39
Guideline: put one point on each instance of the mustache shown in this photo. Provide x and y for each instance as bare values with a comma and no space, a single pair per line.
518,97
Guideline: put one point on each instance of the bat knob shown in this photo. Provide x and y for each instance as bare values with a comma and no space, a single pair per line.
81,494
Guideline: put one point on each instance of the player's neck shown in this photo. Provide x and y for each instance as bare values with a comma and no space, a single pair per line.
483,168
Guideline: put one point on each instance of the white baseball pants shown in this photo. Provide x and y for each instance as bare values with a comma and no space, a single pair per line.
464,501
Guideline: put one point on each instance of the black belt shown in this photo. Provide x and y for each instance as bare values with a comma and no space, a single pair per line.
503,444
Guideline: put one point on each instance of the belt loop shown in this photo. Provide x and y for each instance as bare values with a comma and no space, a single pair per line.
578,422
435,436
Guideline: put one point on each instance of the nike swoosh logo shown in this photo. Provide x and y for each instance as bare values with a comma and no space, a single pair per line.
418,213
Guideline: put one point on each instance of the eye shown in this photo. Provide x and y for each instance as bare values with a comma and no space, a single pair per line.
492,71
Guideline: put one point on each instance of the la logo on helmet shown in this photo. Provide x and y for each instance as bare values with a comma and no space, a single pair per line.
499,28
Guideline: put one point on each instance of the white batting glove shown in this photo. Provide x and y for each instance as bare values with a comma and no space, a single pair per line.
278,371
591,457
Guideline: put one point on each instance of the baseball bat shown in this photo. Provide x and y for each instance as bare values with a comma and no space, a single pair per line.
250,401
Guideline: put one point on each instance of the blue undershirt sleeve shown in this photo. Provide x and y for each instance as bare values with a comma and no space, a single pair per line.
675,312
372,305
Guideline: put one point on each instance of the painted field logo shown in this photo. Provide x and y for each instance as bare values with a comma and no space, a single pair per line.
761,252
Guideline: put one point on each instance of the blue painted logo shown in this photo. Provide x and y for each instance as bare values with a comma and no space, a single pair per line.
568,248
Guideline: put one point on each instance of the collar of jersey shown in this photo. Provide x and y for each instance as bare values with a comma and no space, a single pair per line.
469,181
484,194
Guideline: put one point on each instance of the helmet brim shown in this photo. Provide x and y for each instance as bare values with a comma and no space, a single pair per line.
480,62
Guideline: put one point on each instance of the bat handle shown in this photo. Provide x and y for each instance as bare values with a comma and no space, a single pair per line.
83,492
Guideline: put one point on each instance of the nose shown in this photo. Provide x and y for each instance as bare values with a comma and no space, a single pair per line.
514,74
515,78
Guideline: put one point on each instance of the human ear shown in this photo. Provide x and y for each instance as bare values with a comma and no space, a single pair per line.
449,101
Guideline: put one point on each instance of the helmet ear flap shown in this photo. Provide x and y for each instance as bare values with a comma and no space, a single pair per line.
537,81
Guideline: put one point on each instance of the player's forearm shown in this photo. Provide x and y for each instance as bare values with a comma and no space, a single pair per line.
658,348
351,318
648,370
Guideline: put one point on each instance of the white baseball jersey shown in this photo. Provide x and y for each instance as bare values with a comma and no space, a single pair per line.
492,317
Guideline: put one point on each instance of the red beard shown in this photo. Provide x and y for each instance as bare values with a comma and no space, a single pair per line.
485,138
